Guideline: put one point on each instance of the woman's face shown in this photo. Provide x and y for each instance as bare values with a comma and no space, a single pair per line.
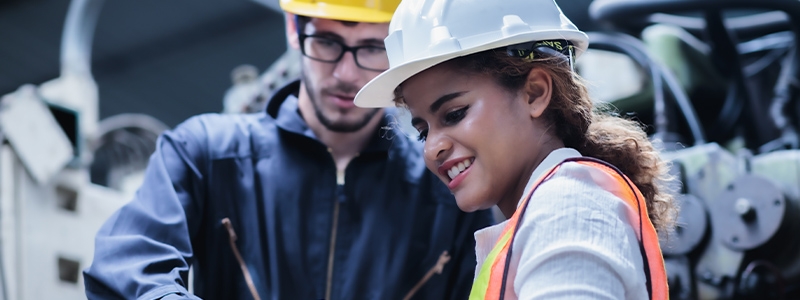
480,139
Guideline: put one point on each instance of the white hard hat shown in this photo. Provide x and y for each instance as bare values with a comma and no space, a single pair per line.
424,33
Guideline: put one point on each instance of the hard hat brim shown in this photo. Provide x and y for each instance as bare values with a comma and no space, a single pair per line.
379,92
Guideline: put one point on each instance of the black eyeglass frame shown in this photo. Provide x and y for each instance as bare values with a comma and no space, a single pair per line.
345,49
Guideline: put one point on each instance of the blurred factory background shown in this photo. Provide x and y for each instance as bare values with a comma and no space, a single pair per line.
170,60
715,80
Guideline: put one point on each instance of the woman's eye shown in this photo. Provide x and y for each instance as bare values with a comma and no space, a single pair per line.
423,134
456,115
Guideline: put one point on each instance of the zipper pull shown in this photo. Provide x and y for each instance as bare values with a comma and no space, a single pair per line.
443,259
437,269
247,278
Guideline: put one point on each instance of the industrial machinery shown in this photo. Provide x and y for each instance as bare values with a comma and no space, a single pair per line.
722,97
50,138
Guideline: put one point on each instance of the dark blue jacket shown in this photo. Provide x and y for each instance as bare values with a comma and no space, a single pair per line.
298,231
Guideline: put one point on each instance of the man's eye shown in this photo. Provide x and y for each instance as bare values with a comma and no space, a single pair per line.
456,115
374,50
324,42
423,134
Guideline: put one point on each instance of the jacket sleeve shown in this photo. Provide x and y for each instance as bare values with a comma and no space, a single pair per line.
144,250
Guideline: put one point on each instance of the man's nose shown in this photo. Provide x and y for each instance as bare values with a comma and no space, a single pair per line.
346,69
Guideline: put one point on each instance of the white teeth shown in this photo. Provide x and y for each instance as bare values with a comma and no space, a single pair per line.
457,169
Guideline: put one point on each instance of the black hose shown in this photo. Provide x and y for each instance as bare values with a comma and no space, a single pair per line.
763,129
123,146
637,12
634,48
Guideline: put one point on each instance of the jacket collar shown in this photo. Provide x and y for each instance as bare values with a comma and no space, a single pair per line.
283,107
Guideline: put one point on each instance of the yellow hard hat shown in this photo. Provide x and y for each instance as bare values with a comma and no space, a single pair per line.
371,11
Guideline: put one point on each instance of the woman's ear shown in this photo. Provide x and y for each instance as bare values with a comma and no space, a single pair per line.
539,90
291,31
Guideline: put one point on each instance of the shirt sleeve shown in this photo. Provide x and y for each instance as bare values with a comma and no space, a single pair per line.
575,242
143,251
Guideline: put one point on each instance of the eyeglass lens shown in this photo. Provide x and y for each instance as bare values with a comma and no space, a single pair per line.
328,50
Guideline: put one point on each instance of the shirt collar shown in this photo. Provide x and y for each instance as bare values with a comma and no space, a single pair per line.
486,238
552,159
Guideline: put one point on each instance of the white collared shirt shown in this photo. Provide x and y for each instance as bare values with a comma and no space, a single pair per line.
574,242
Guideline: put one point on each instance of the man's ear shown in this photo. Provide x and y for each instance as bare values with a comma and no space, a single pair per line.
539,90
291,31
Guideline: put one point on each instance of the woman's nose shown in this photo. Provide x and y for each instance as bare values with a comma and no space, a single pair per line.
436,147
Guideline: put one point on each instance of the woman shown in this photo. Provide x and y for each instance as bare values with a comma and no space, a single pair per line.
507,122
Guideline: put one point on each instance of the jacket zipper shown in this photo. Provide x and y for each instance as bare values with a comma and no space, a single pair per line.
332,246
436,269
331,251
247,278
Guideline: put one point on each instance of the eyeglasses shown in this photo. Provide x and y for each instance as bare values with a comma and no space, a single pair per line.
328,50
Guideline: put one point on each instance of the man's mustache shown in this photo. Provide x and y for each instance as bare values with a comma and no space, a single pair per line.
342,89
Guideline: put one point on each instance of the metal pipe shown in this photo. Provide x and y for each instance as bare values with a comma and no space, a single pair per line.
76,40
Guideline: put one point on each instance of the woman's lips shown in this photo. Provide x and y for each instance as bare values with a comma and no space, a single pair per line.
455,170
453,184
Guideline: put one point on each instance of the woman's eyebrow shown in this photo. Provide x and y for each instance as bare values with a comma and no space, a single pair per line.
436,105
444,99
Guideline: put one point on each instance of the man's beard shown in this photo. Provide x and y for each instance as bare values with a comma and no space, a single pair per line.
340,88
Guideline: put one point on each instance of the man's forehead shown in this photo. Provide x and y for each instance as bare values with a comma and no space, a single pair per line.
349,30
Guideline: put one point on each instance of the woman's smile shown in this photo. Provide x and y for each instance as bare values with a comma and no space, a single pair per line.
480,139
455,170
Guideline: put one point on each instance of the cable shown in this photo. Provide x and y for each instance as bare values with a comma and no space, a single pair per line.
609,42
123,146
783,39
744,26
684,104
730,112
784,92
748,271
776,44
765,61
634,48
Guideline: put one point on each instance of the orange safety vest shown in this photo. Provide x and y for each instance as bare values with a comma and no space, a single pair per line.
492,278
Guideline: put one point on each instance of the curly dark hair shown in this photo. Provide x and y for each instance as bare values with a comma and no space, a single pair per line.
592,130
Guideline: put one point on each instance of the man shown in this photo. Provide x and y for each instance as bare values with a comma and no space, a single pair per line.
314,199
